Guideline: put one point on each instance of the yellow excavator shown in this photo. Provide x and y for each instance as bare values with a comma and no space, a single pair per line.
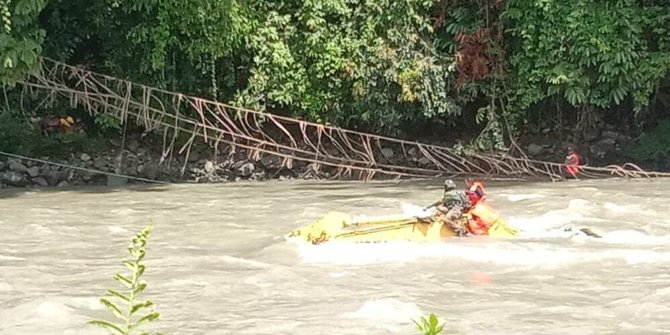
416,228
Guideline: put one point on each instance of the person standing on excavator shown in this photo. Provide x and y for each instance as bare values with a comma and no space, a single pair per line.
452,206
475,192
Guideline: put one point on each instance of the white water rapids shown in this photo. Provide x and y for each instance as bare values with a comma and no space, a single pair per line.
217,261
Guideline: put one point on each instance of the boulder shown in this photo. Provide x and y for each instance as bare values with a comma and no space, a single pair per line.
413,152
607,141
535,149
17,166
132,145
33,171
54,176
40,181
591,134
246,169
424,161
610,134
89,175
14,178
387,153
194,156
100,163
271,162
85,157
210,167
148,171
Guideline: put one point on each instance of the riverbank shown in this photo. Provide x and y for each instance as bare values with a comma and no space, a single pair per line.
140,160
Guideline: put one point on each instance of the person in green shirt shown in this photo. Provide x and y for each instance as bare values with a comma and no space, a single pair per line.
452,205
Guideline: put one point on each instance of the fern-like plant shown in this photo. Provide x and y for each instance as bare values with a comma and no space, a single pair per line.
429,326
125,304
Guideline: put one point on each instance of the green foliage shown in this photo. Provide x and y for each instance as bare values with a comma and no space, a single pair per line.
124,305
654,145
363,64
590,52
107,123
20,39
429,326
374,65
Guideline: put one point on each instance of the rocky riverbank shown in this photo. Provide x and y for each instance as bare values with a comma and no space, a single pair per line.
597,147
140,166
140,161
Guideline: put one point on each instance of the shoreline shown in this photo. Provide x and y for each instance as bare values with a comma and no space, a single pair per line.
140,162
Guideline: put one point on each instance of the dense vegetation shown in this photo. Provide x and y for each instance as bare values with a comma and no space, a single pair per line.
411,68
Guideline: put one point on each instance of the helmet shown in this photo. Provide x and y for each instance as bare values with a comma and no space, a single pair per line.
449,184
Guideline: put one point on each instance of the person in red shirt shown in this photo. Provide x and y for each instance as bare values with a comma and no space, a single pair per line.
475,191
572,163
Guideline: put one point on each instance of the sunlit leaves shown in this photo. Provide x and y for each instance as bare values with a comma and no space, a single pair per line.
20,39
592,52
355,63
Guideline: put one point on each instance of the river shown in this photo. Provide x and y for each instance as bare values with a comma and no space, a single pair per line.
217,262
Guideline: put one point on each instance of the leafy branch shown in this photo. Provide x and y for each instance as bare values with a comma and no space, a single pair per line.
124,304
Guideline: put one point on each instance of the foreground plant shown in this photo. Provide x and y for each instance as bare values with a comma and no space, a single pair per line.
429,326
125,304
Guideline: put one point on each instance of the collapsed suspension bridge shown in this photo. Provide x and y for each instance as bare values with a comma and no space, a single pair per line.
349,154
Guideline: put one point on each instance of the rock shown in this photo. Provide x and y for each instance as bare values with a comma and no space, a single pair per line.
89,175
148,171
54,176
40,181
535,149
258,175
591,134
114,181
246,169
63,183
193,157
424,161
414,152
18,167
210,167
607,142
141,152
608,134
100,163
271,162
85,157
387,153
132,145
603,148
45,168
14,178
33,171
